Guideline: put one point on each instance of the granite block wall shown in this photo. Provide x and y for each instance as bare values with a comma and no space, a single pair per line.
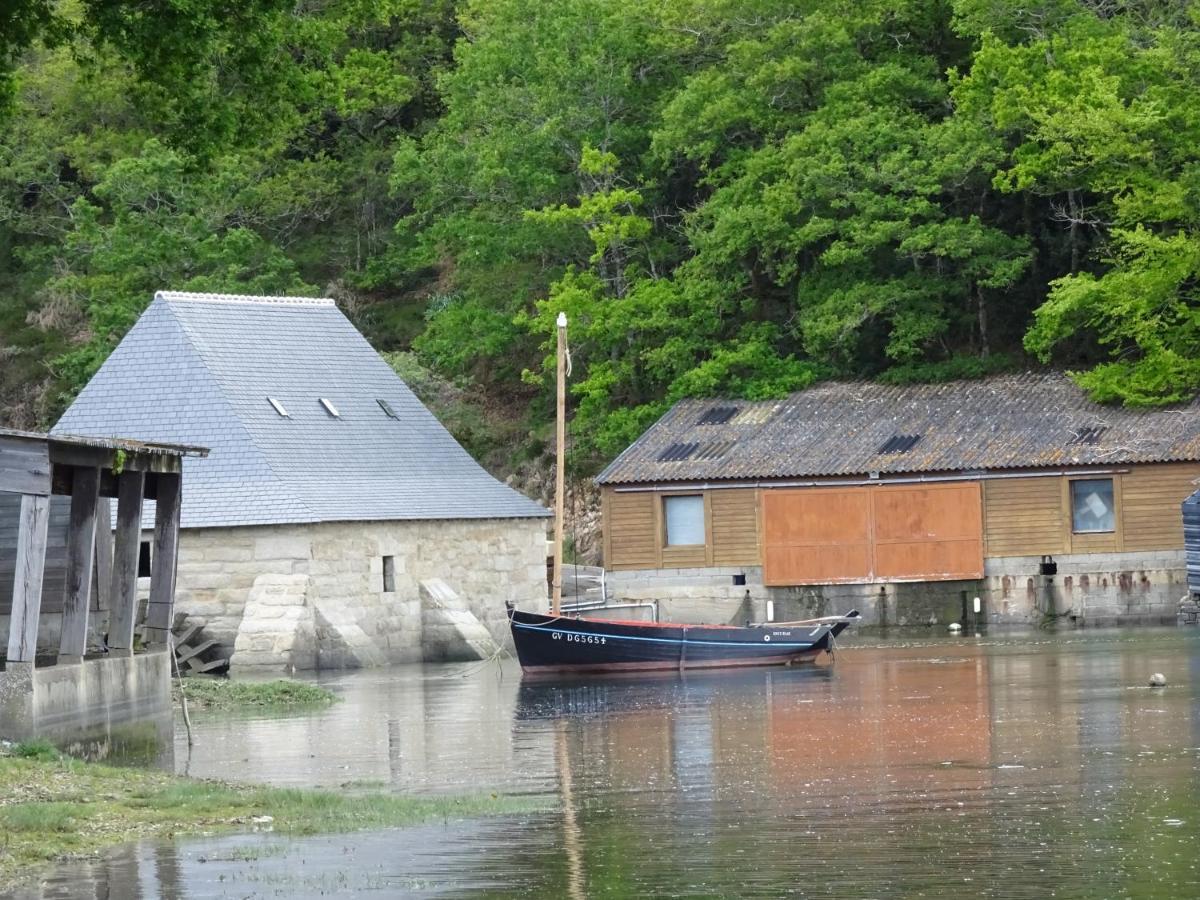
486,561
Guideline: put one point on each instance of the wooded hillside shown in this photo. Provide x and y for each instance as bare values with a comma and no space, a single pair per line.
726,196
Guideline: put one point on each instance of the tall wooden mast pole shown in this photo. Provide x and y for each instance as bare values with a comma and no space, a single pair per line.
560,457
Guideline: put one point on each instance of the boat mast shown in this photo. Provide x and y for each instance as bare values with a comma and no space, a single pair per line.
560,465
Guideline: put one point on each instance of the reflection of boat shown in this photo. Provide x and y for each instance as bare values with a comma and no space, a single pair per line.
662,693
557,643
575,644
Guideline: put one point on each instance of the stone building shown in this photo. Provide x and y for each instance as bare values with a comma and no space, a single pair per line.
330,493
907,502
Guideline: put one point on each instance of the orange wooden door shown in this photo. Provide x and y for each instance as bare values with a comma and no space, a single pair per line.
816,536
869,533
928,532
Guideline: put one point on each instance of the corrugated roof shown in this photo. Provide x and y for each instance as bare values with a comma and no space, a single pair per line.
843,428
199,369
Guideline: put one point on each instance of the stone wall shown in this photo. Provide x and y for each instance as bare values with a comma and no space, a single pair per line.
486,561
1091,589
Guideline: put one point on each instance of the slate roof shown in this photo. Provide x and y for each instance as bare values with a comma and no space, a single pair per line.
855,428
199,369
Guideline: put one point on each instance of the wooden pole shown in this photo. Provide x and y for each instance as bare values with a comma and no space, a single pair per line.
560,457
27,579
127,544
102,583
81,553
160,611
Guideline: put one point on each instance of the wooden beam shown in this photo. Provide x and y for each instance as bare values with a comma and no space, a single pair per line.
102,583
24,466
27,579
107,458
81,551
166,550
126,544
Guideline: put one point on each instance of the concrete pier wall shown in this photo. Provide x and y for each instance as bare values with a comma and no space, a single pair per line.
1088,589
91,708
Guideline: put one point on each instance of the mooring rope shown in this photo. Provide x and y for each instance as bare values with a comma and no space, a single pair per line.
187,719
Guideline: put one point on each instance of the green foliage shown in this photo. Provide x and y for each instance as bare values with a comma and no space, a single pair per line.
38,748
726,197
223,694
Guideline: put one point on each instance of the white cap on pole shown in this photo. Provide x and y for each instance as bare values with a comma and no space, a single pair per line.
562,320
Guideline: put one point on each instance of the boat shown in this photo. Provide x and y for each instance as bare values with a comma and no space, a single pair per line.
558,643
565,644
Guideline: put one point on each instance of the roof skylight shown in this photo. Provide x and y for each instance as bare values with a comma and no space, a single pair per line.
330,408
899,443
279,408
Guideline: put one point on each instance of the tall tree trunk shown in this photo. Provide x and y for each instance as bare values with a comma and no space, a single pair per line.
985,349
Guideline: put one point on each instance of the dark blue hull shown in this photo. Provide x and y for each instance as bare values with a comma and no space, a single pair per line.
571,644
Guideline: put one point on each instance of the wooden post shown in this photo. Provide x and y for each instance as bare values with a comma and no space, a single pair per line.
560,456
81,549
102,582
127,542
27,579
166,549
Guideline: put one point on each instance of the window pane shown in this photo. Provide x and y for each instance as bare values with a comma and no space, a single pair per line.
1092,505
685,520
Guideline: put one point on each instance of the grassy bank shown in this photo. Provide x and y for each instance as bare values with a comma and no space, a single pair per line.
53,807
222,694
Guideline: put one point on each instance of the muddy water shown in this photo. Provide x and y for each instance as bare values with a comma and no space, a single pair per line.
928,768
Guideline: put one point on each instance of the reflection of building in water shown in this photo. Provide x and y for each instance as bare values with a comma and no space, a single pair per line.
416,729
898,721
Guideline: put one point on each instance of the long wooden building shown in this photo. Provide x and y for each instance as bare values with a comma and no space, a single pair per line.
909,502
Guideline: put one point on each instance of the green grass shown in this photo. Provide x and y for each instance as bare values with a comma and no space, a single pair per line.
40,817
40,748
54,807
220,693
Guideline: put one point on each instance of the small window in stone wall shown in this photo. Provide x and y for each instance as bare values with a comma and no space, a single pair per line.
144,560
389,574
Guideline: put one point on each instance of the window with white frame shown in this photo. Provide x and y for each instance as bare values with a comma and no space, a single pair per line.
1092,507
684,516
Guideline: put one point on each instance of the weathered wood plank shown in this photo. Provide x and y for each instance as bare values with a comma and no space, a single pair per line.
126,543
24,466
27,585
102,583
81,547
166,550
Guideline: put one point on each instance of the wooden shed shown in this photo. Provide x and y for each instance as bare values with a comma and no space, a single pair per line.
983,484
63,565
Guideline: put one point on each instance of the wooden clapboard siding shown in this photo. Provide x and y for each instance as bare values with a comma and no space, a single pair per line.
54,579
24,466
1024,517
631,530
733,532
1149,510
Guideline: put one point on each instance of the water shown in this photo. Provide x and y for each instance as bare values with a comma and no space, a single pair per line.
1034,766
